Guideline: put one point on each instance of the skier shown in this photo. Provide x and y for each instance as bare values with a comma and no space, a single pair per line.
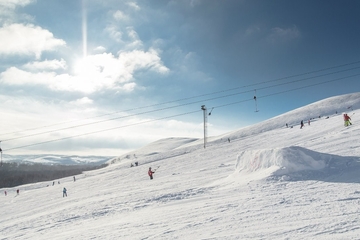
17,192
347,120
301,124
5,193
150,172
64,192
74,179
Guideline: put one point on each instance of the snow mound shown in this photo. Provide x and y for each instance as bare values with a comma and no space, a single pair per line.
281,161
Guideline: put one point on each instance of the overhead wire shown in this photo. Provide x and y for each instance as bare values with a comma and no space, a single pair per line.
181,114
182,99
179,105
103,130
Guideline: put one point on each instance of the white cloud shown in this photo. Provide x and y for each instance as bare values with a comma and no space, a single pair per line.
283,35
8,13
46,65
99,49
19,39
93,73
15,76
134,6
142,60
129,87
135,43
120,16
252,31
12,4
114,33
194,3
82,101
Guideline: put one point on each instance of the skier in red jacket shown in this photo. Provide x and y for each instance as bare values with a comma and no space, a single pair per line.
150,172
347,120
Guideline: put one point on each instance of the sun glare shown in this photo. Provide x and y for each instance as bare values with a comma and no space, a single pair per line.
81,67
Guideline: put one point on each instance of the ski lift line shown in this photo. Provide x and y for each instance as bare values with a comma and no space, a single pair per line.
103,130
303,79
183,99
87,124
289,90
81,125
106,120
186,99
166,108
137,114
182,114
311,85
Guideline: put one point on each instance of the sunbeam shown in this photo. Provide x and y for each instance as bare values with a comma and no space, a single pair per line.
84,28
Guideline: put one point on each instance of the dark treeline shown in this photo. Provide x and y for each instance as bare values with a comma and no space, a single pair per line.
15,174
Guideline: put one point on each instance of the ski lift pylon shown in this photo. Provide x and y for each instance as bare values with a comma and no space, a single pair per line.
256,109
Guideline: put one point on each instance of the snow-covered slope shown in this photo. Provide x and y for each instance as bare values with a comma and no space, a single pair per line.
268,182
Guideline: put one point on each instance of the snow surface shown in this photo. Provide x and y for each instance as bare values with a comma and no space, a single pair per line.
268,182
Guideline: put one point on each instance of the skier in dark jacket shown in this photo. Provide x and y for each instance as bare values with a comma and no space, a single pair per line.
64,192
301,124
150,173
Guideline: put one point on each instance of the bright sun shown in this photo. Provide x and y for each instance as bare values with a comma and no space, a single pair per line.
82,67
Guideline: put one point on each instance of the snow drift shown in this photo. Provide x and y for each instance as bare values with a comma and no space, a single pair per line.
285,161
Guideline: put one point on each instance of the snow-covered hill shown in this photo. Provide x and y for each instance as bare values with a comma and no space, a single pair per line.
268,182
56,159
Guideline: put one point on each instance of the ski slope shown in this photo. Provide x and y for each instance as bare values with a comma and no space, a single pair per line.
268,182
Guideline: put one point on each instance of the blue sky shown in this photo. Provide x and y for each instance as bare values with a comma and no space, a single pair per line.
106,77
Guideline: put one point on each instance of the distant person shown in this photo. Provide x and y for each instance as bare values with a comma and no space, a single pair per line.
17,192
53,183
347,120
74,179
309,122
301,124
228,139
287,125
150,173
64,192
5,193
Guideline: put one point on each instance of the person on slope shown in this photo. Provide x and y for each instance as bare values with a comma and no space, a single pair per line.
64,192
347,120
301,124
150,173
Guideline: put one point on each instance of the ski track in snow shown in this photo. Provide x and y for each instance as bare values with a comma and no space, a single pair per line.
280,183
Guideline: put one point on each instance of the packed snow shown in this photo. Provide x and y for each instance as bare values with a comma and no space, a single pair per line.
265,181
